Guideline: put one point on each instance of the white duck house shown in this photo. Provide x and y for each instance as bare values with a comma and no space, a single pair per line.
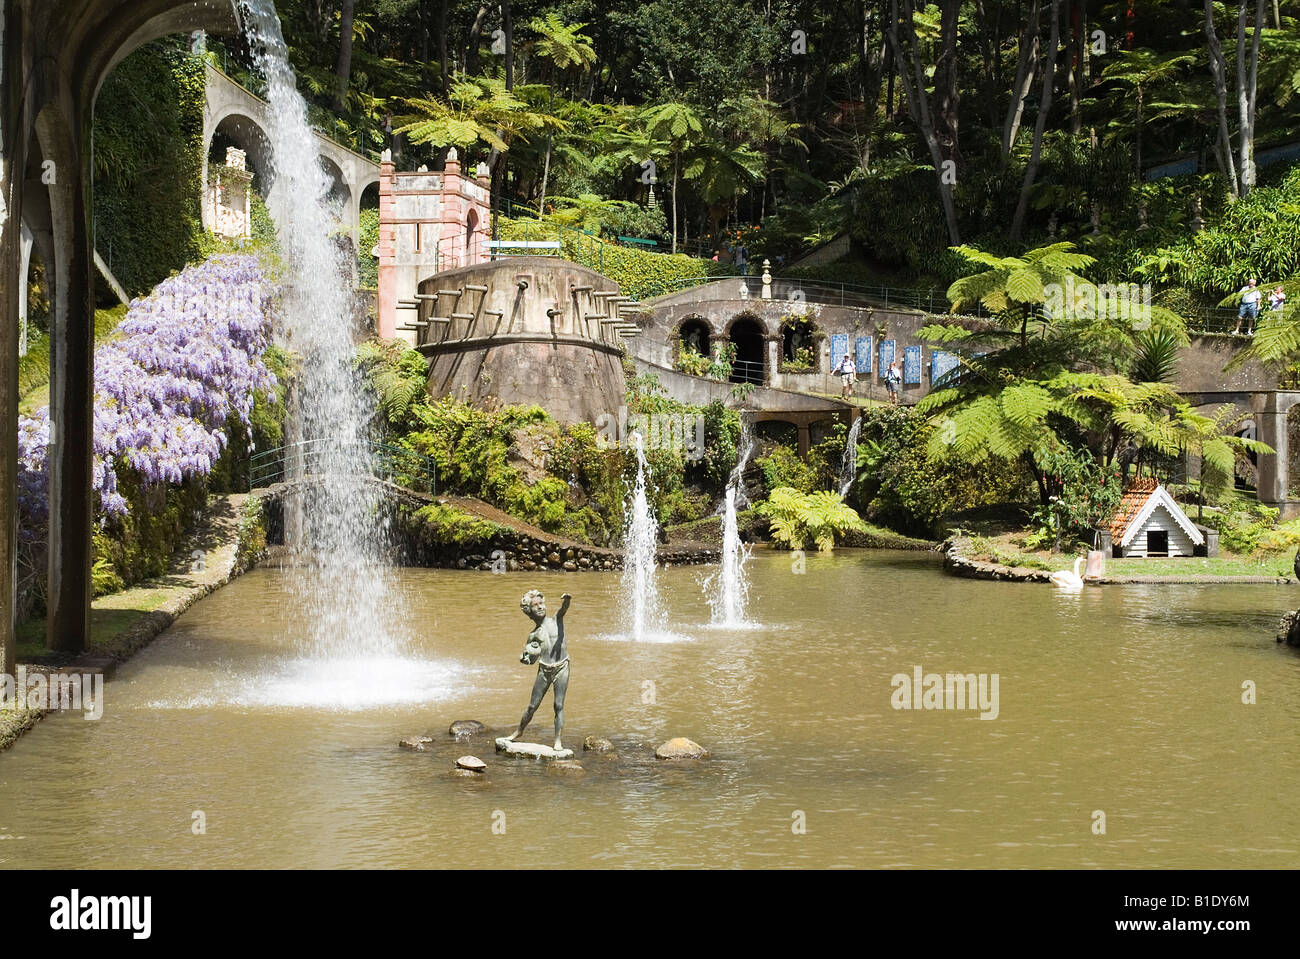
1149,523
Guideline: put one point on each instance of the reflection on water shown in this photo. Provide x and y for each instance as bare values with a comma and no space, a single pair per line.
1121,699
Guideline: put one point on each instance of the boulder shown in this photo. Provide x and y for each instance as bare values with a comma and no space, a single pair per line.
564,767
1288,630
596,744
415,742
681,748
472,763
462,728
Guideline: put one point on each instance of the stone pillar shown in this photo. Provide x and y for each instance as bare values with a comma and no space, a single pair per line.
1274,482
24,269
13,161
71,401
386,319
805,440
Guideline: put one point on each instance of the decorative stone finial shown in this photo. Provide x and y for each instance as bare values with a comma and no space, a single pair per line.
453,156
386,156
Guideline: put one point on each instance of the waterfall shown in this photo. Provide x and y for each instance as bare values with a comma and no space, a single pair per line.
640,541
849,464
348,599
728,589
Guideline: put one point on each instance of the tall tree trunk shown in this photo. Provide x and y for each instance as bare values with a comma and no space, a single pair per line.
1078,30
919,108
1247,77
475,38
676,164
442,42
946,92
1045,106
546,173
343,68
1219,70
1026,65
507,25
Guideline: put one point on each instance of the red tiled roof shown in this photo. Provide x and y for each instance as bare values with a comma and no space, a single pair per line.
1135,497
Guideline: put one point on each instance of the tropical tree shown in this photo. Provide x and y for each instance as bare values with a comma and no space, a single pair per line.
680,126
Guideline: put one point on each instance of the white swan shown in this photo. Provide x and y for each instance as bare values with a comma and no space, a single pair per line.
1067,580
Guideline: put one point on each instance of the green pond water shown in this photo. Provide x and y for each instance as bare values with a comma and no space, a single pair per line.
1125,700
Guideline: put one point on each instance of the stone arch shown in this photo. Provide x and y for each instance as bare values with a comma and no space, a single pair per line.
339,195
368,197
746,332
245,133
694,331
800,332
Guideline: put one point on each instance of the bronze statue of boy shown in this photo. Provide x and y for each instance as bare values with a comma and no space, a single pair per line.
545,646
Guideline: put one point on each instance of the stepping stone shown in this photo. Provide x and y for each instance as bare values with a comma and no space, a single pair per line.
536,750
415,742
681,748
596,744
472,763
463,728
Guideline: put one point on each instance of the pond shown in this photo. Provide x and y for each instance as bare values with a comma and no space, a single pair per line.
1124,700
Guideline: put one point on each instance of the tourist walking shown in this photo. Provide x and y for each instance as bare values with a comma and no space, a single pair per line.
893,377
847,379
742,259
1249,309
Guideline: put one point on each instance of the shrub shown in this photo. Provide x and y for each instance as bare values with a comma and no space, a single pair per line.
797,517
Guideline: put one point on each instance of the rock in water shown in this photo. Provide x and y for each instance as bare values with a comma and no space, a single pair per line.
564,767
1288,630
596,744
464,728
472,763
531,749
681,748
415,742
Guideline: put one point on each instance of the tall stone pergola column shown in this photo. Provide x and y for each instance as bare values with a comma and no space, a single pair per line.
53,58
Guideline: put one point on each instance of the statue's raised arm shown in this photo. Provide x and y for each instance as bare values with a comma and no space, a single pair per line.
564,606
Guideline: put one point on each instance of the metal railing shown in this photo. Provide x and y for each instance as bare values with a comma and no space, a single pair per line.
320,457
747,371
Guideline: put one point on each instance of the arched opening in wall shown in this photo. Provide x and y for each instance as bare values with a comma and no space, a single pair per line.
694,336
241,133
777,431
747,336
471,224
368,247
821,430
798,346
1246,471
338,196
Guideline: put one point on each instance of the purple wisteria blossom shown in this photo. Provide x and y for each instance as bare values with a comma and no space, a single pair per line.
184,359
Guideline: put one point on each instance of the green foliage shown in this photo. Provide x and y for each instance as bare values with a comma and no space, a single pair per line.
784,469
251,541
367,265
1245,525
899,483
797,517
1082,496
139,545
447,525
148,163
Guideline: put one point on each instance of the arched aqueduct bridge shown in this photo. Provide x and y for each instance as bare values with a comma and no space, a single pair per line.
53,58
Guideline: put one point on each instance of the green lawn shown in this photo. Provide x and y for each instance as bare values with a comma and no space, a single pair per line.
1224,564
110,616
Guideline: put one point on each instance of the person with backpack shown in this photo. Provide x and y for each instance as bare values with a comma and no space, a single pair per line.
846,369
893,377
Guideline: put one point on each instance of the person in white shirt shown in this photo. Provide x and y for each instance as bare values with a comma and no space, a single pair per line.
1249,309
846,371
1277,300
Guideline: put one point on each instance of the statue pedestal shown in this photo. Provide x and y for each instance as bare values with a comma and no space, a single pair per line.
536,750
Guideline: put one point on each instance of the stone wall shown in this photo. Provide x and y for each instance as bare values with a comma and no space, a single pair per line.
524,330
521,551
